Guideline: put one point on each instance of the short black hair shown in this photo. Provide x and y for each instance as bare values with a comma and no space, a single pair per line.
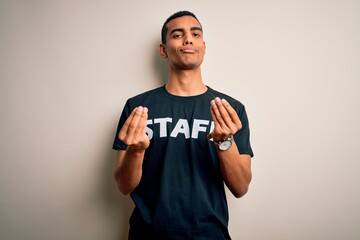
175,15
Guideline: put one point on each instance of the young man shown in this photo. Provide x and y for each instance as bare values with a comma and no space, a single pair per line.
178,144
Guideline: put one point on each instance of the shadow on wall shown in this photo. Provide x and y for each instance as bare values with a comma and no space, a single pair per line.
118,206
161,66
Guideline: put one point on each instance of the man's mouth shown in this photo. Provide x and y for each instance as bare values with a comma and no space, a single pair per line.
188,50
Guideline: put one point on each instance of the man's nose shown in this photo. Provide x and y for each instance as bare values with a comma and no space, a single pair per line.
188,40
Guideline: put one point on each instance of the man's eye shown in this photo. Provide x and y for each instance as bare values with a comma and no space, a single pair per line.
177,36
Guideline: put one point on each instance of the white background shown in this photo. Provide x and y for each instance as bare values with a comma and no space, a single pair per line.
67,68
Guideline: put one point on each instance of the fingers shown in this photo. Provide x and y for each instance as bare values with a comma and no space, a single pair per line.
217,111
224,116
140,129
134,125
233,116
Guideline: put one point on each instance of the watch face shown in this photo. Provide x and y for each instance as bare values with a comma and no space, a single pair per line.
225,145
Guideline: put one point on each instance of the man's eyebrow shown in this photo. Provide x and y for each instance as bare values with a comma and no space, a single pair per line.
177,30
196,28
182,29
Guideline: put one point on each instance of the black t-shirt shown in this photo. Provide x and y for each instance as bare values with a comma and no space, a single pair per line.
181,194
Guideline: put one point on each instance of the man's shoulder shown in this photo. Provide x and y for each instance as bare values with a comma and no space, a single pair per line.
230,99
146,94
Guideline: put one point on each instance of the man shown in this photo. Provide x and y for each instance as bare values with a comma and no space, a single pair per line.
178,144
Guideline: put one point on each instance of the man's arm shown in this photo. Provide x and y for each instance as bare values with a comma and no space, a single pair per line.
128,170
129,163
235,167
236,170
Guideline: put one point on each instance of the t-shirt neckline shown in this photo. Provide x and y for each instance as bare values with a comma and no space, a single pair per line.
184,98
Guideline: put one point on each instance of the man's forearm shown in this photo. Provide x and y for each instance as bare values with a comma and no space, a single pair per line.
129,170
236,170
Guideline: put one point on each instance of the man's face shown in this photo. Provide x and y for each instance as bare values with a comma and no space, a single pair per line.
185,47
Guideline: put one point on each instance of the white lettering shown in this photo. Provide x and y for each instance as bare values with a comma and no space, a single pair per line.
182,126
197,127
212,126
163,125
149,131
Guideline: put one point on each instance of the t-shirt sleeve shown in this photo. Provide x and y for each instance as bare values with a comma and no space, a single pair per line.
242,137
119,145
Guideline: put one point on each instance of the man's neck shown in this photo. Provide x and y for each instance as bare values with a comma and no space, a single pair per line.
185,83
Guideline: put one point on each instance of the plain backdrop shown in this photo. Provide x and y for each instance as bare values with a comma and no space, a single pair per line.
67,68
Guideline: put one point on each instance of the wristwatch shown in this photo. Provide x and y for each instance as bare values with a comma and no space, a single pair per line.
224,144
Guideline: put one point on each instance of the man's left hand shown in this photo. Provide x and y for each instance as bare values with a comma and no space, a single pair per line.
226,120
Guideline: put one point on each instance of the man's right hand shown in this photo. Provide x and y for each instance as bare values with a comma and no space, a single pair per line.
133,132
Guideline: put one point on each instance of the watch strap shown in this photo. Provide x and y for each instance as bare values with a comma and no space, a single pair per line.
218,142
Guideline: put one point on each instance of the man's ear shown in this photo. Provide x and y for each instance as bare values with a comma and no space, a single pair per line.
162,50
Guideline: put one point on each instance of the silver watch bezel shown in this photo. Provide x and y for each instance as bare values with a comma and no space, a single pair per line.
225,144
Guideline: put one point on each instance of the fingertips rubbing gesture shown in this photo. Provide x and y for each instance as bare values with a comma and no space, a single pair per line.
226,120
133,132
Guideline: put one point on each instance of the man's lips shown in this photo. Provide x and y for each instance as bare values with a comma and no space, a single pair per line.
188,50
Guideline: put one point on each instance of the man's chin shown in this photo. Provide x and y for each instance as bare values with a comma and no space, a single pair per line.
188,66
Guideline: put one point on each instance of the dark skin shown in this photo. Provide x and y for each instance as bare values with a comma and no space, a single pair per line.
184,50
